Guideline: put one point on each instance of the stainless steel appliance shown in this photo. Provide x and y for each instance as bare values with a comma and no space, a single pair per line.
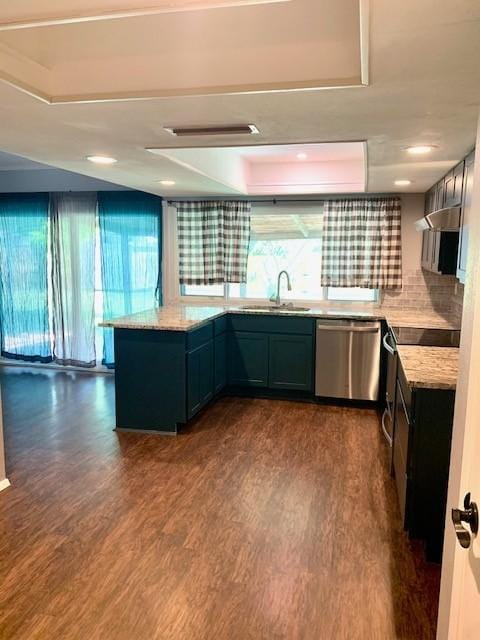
447,219
408,335
348,359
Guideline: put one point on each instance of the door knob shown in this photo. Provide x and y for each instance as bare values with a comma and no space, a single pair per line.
469,515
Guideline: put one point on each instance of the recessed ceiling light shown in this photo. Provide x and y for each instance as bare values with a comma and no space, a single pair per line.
167,183
302,156
101,159
420,149
402,183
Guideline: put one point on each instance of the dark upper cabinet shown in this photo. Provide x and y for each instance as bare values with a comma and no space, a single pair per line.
428,250
440,249
429,239
430,200
200,377
454,186
248,359
220,375
446,252
440,195
465,215
290,362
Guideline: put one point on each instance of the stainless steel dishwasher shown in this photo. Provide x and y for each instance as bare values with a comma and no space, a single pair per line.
347,359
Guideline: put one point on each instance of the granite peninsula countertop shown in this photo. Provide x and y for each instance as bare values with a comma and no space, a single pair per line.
180,317
429,367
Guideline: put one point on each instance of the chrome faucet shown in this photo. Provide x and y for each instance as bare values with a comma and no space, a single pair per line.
276,298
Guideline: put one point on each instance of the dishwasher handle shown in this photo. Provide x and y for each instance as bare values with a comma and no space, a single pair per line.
347,328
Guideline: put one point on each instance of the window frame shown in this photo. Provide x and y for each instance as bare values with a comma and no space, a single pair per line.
172,290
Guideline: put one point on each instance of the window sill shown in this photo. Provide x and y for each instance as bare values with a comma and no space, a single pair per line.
206,301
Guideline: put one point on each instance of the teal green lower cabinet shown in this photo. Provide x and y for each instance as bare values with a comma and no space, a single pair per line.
200,377
290,362
220,375
150,380
248,359
163,378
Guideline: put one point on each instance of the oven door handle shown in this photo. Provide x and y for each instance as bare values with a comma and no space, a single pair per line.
387,345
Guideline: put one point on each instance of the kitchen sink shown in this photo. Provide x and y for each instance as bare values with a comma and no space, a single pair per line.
264,307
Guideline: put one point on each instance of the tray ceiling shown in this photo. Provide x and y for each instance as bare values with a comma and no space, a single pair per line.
290,169
424,89
179,48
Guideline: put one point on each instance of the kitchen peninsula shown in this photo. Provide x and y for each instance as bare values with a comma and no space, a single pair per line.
173,360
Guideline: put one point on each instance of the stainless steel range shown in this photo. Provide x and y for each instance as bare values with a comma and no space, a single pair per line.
408,335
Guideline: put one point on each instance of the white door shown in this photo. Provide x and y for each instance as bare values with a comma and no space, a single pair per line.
459,612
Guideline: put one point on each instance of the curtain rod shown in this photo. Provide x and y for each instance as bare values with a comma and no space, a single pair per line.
348,196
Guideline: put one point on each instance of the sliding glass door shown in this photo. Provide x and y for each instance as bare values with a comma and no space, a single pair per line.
130,244
73,221
25,333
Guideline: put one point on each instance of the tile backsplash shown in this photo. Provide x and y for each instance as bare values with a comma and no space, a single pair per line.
422,289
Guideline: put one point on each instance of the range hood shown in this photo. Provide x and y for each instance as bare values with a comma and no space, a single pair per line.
447,219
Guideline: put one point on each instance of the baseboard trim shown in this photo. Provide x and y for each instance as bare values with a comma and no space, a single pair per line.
4,484
153,432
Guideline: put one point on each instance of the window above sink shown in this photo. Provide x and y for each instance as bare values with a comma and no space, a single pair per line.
283,236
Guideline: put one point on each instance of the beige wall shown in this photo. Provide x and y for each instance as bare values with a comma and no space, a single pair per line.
412,210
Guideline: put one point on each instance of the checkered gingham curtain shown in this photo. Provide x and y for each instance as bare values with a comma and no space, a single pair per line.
213,239
361,244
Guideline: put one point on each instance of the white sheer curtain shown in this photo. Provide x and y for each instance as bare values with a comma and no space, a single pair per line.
73,218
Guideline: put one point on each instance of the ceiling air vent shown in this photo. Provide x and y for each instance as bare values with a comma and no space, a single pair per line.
223,130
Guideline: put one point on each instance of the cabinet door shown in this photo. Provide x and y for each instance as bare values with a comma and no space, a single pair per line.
440,195
400,454
220,362
465,221
290,362
200,372
426,251
449,189
248,364
430,200
429,250
458,183
453,186
436,238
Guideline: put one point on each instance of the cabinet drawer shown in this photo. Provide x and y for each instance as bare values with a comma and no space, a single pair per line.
271,324
197,337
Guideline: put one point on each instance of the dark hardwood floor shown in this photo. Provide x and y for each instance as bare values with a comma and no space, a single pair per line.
265,520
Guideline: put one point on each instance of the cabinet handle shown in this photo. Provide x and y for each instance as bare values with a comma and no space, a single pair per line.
387,344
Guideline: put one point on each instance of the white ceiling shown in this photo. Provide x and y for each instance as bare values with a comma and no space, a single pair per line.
424,87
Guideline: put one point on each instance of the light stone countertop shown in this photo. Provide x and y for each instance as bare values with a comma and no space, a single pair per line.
429,367
181,317
420,319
